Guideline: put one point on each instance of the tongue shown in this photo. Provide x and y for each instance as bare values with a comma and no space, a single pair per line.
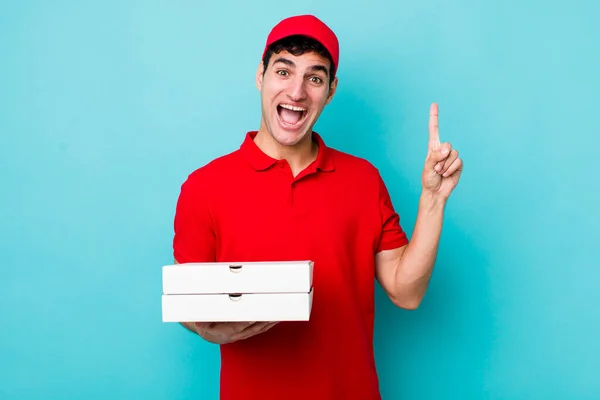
289,116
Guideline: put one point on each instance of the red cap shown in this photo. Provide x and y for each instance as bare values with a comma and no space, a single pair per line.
310,26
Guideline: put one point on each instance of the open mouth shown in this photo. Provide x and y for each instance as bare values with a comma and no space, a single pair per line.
291,116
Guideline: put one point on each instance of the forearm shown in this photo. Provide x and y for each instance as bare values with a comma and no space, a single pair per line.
415,267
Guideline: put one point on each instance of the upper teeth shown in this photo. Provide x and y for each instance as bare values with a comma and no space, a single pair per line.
293,108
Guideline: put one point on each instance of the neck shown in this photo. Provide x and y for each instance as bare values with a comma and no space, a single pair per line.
298,156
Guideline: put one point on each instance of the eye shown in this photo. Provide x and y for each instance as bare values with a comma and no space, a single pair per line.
282,72
316,79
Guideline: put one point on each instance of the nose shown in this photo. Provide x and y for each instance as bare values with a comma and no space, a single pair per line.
296,90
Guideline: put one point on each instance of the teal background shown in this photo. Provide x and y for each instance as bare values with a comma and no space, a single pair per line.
106,106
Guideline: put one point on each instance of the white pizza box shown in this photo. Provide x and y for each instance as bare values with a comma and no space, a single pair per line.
241,307
238,277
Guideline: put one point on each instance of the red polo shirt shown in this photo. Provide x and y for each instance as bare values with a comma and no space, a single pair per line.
337,212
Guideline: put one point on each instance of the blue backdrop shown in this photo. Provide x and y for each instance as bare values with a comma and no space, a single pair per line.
106,106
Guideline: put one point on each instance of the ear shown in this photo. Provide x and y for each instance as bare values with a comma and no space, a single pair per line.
332,90
259,75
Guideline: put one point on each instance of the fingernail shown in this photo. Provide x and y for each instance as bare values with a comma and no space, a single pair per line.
445,151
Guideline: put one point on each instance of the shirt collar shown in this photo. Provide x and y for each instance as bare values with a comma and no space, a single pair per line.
261,161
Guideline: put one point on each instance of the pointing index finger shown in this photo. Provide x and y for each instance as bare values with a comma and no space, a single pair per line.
434,134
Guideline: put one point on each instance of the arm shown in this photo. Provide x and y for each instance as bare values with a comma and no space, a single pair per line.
190,326
194,237
226,332
405,272
195,241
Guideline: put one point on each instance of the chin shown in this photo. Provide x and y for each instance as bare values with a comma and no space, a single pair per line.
285,138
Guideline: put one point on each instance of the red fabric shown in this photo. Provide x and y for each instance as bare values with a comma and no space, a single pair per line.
245,206
310,26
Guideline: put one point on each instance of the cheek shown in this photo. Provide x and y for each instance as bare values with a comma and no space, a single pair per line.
318,97
273,86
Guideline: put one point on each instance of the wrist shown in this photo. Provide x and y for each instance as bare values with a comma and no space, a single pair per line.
430,202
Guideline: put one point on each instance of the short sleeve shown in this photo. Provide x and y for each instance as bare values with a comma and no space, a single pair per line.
392,234
194,237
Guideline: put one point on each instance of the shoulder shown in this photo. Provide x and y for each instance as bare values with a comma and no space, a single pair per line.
214,172
351,164
217,168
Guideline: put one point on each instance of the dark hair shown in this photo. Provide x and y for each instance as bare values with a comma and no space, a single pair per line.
298,45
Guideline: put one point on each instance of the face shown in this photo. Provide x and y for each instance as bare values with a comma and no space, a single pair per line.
294,90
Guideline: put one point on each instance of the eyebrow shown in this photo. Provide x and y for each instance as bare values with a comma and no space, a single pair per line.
290,63
284,61
317,68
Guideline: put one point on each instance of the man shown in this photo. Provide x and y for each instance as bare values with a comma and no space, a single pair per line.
285,195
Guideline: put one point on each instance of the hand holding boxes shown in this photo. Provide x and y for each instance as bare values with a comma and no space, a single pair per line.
245,291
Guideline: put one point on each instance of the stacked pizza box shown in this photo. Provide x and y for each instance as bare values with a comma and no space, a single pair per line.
240,291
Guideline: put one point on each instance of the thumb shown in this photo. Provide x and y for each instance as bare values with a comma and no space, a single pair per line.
436,156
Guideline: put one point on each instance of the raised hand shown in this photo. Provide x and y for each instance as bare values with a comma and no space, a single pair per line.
443,167
229,332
